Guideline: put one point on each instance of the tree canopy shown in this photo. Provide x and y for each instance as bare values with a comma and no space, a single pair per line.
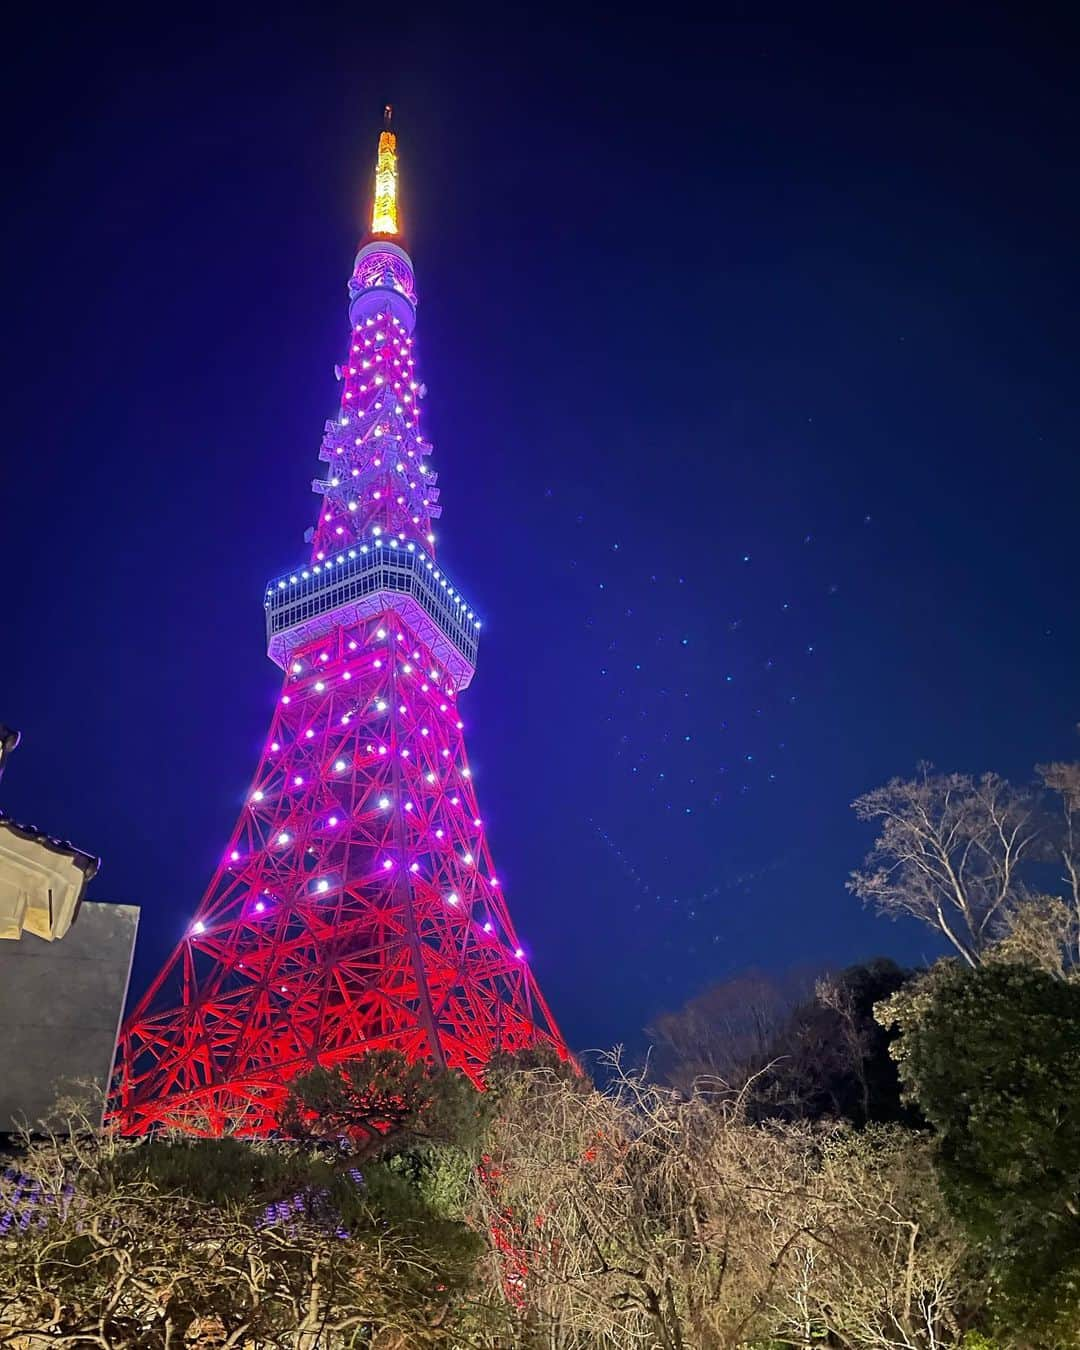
992,1056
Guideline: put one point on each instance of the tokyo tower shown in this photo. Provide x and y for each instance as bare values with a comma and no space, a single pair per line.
356,906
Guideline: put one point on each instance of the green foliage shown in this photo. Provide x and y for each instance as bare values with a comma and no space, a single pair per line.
412,1207
357,1105
381,1105
222,1172
993,1058
506,1077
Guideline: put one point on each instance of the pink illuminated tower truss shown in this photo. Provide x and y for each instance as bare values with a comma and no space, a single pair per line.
356,905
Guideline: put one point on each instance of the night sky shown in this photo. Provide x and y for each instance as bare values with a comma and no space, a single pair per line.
751,357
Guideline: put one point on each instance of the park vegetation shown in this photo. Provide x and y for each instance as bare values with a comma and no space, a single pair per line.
879,1159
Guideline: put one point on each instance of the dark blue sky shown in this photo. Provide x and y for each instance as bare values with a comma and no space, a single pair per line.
751,350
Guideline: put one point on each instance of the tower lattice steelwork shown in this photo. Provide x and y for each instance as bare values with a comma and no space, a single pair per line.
356,905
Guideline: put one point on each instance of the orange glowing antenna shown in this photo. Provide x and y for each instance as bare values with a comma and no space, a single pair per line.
384,212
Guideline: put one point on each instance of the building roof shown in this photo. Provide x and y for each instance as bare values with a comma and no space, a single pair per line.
42,881
85,862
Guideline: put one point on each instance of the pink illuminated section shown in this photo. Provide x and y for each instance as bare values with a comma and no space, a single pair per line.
379,480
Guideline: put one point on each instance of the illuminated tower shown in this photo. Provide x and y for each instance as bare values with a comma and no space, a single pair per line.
356,905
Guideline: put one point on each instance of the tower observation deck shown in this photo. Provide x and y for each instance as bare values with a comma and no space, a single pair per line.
356,905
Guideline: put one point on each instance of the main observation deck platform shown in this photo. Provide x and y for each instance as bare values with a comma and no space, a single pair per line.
362,582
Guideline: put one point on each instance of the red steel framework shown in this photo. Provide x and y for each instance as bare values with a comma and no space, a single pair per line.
356,906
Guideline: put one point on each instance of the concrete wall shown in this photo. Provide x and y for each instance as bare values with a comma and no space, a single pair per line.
60,1009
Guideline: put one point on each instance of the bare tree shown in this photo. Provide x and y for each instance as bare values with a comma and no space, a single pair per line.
882,1266
639,1216
853,1034
729,1031
949,853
